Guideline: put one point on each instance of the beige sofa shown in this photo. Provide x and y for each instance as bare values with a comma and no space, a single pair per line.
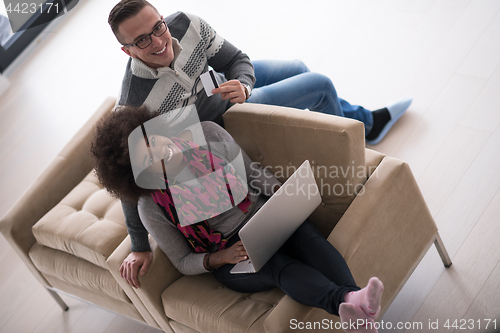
73,237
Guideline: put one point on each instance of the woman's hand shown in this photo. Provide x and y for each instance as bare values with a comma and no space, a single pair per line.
235,253
136,263
232,255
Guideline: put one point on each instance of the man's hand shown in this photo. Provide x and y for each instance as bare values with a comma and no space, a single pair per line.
232,90
134,262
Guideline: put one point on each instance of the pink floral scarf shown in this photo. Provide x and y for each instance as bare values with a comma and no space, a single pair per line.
216,195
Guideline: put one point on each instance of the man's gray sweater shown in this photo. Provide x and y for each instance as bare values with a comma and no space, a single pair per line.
170,89
196,46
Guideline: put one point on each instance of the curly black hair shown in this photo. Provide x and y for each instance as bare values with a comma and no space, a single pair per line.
110,151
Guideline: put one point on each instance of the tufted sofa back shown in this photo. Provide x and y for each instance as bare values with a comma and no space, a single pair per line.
88,223
335,147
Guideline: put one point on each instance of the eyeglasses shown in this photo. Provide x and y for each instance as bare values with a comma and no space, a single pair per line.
145,41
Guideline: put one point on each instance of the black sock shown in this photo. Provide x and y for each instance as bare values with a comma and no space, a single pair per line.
380,118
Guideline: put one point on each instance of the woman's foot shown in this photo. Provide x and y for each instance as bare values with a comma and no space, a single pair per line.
368,298
355,320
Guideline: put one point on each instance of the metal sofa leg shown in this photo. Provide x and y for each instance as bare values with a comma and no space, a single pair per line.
58,299
445,257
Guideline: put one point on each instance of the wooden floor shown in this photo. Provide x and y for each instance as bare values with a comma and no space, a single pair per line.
444,53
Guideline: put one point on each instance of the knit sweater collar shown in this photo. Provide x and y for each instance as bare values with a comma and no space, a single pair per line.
140,69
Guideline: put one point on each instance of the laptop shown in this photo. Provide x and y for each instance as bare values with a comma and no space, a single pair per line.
278,219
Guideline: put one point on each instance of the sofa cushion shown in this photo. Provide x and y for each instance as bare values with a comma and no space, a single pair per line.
87,223
76,271
202,303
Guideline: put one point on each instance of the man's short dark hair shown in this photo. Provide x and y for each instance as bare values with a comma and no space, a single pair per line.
124,10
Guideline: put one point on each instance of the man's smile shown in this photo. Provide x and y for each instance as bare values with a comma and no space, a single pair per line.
161,51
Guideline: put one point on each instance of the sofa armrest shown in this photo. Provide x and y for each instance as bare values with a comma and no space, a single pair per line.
70,166
385,232
387,229
114,262
161,274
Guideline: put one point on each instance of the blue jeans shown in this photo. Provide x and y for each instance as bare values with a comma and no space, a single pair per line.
307,268
291,84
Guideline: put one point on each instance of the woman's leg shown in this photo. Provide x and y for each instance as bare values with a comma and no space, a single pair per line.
309,246
300,281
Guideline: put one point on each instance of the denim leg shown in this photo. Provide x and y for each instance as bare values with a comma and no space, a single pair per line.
359,113
271,71
290,84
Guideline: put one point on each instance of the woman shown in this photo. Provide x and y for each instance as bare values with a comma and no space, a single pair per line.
193,200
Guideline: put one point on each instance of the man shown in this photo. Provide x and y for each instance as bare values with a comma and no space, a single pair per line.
167,56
